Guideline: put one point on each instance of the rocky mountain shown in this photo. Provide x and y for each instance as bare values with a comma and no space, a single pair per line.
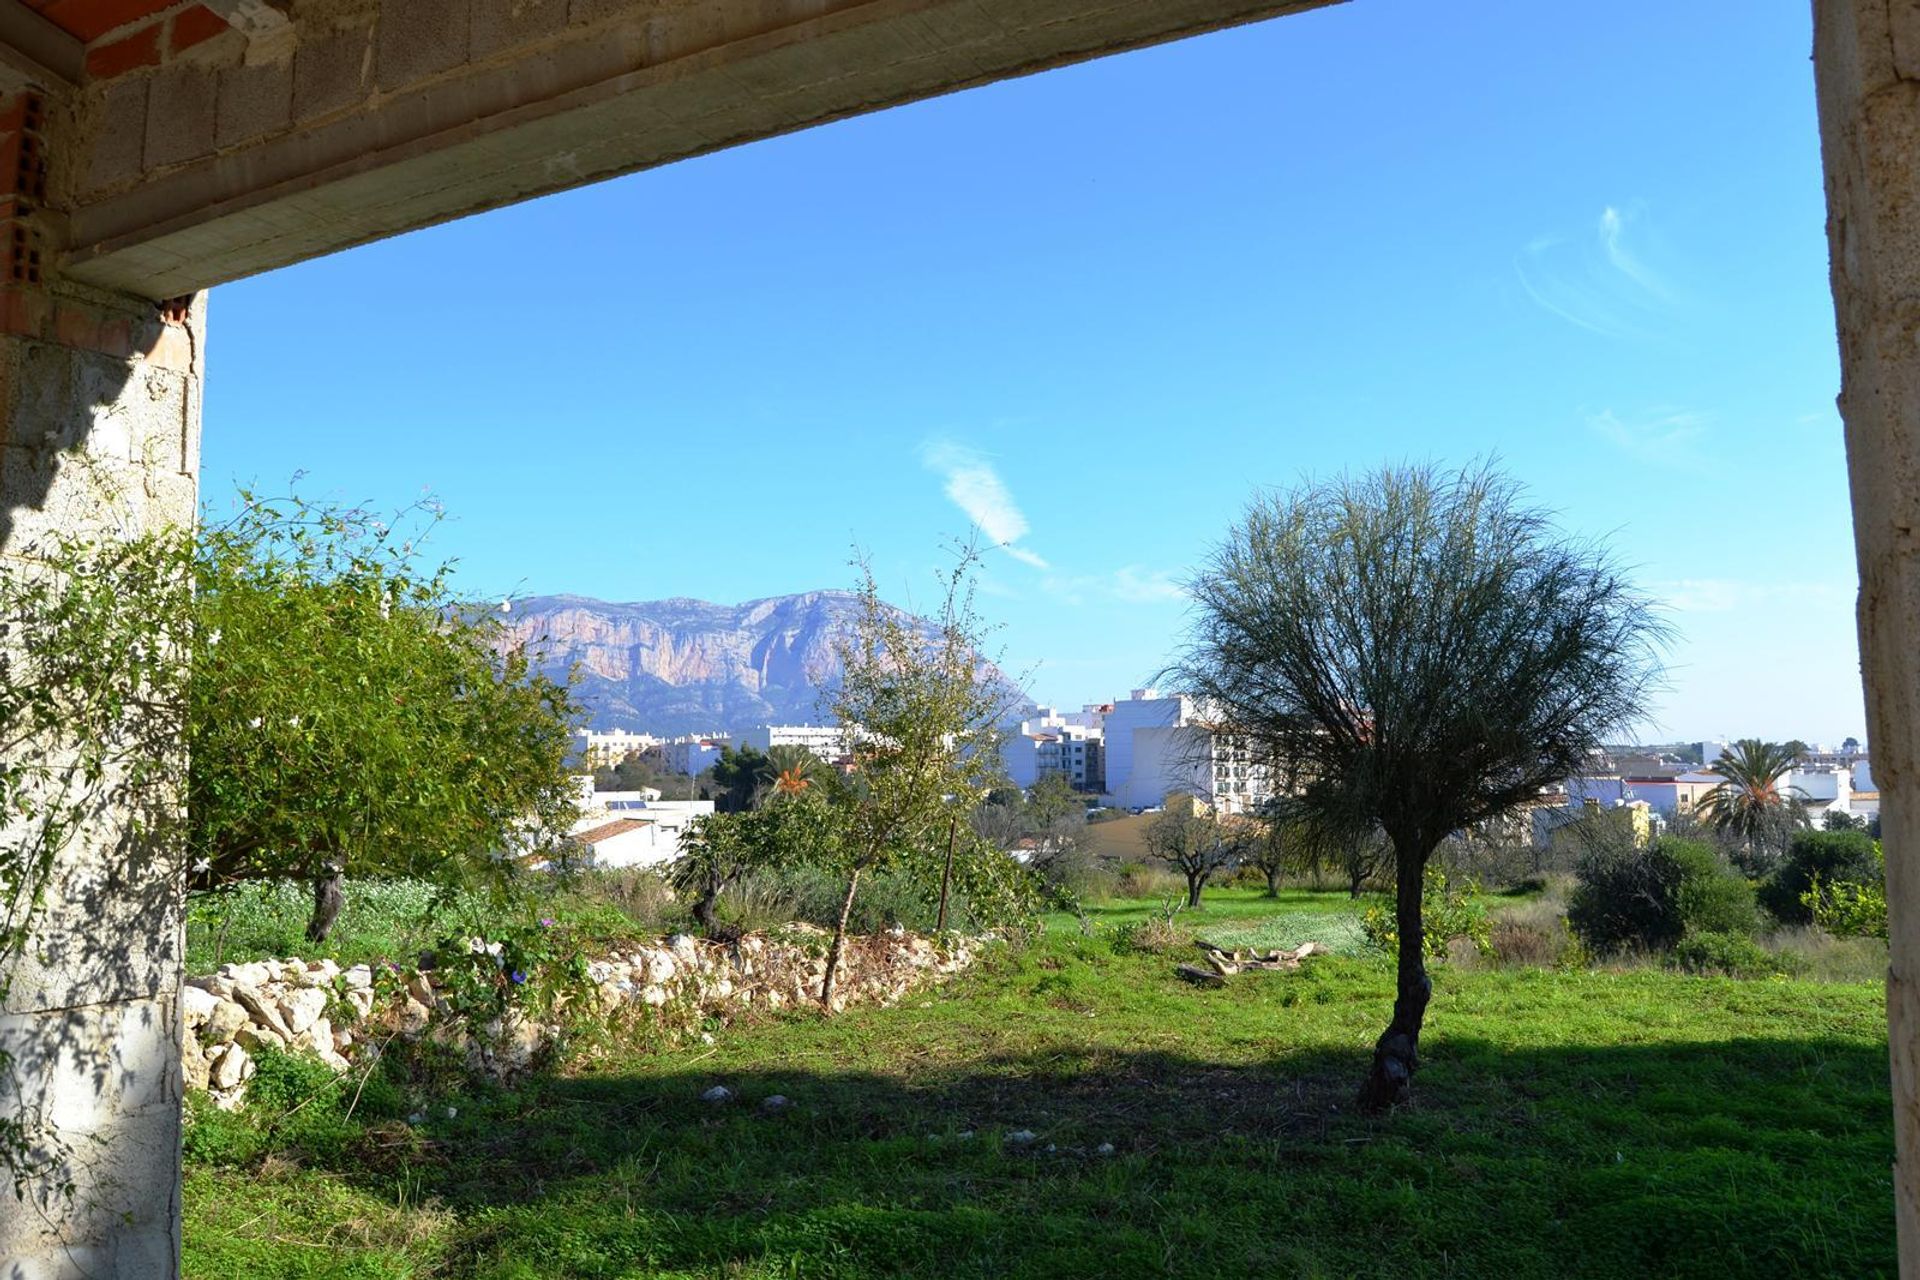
687,666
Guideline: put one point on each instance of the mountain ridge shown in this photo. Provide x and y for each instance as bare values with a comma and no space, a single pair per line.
683,665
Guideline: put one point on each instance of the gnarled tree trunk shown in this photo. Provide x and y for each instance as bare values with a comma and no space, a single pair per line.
328,898
1196,881
1397,1053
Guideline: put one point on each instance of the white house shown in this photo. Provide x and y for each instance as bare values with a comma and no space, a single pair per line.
828,741
642,834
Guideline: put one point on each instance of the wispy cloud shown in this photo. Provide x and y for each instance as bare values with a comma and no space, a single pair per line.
1725,595
976,488
1599,278
1131,584
1669,438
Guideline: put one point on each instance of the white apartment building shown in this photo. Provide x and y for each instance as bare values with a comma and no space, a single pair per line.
1157,745
828,741
1071,751
611,747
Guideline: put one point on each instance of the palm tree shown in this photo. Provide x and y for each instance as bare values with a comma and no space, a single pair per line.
792,769
1750,804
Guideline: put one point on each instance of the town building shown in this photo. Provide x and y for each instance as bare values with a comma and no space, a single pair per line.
828,741
693,754
610,747
1157,745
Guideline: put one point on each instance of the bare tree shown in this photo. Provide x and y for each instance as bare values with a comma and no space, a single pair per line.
1194,842
1429,653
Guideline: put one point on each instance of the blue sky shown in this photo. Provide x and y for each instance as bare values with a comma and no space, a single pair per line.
1094,309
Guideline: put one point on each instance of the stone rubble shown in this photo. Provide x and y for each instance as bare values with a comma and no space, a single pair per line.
316,1007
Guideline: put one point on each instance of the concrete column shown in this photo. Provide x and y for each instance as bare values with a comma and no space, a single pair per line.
99,434
1867,70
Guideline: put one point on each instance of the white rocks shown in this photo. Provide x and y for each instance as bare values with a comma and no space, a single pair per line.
197,1006
227,1018
1022,1138
194,1067
231,1068
1104,1149
302,1007
291,1004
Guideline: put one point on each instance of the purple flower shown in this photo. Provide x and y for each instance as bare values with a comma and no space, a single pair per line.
518,976
546,922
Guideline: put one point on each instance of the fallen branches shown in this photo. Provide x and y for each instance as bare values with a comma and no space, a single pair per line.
1223,964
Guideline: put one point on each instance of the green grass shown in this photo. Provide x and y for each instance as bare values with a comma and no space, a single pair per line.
1579,1123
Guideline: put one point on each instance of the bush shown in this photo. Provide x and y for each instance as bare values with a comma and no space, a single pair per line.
1736,955
1826,856
1849,909
1649,899
1448,910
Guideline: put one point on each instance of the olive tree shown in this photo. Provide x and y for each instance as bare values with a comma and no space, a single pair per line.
1427,652
1193,841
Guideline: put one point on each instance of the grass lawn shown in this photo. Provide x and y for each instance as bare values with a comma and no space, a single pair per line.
1566,1124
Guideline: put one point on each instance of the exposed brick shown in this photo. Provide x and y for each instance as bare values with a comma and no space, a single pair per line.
419,39
253,101
196,25
91,19
180,116
329,72
121,136
504,24
23,310
141,49
172,348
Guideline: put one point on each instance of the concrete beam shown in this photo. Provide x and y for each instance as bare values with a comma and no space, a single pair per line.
377,127
36,54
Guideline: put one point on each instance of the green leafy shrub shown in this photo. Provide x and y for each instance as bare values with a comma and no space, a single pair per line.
1849,909
1736,955
1828,857
1649,898
296,1101
1449,909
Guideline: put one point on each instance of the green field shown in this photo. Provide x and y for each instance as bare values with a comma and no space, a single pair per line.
1639,1123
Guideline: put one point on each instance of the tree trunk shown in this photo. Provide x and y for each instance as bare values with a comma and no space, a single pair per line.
946,874
328,898
1354,876
1196,881
839,941
703,911
1273,882
1397,1053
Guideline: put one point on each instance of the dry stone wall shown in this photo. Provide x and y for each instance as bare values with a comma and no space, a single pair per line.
336,1014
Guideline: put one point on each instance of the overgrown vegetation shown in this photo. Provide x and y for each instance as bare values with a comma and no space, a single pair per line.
1644,1122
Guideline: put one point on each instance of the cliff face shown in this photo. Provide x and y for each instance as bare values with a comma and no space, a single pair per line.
686,666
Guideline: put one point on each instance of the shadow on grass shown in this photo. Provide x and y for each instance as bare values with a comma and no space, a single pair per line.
1751,1157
